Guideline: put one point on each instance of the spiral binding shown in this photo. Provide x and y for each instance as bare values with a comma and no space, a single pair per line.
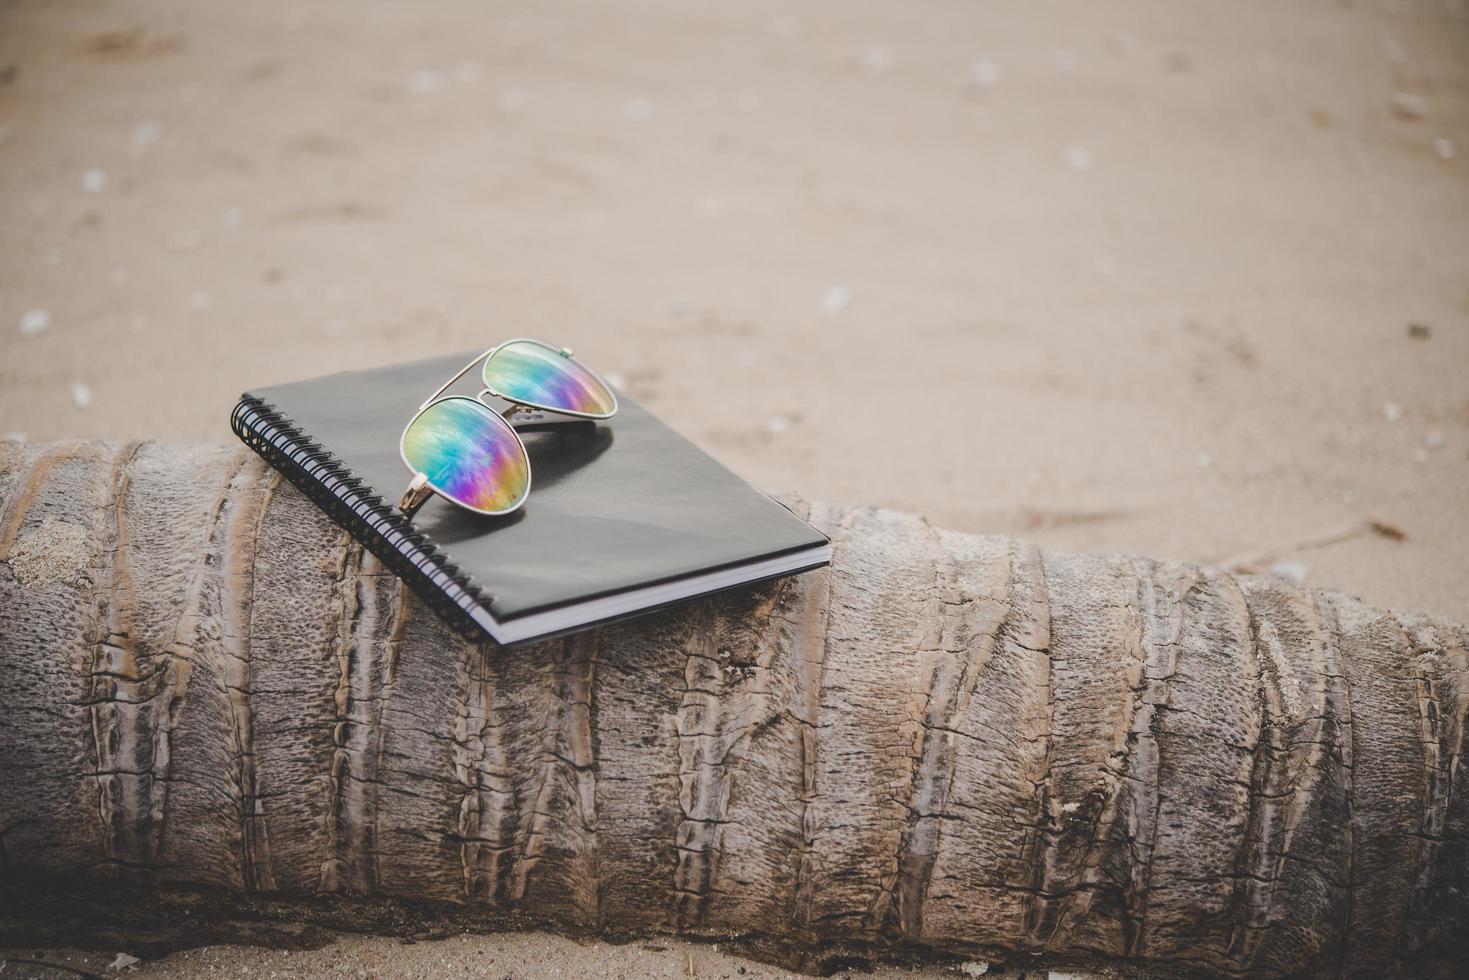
345,498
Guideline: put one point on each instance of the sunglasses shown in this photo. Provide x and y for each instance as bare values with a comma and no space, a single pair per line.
468,453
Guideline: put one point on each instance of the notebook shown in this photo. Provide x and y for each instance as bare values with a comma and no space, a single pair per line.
624,516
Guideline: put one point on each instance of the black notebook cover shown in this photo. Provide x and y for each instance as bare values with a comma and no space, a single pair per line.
623,516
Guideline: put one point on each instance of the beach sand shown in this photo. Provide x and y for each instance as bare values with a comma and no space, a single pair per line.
1180,280
518,955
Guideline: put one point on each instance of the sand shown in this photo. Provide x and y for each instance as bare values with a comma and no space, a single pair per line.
1179,280
515,955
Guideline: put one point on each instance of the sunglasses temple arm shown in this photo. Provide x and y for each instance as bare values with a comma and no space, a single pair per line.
462,372
535,420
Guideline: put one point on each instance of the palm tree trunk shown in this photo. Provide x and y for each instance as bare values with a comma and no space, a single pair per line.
944,742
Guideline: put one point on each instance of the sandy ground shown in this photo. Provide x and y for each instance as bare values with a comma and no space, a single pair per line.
514,955
1181,280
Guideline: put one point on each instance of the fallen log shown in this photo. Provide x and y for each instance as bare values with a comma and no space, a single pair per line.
945,743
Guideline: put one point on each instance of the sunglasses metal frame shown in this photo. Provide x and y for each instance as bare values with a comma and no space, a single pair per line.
420,489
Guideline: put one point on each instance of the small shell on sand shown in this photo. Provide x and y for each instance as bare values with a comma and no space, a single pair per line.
81,395
144,135
985,74
1292,570
33,322
1406,105
835,299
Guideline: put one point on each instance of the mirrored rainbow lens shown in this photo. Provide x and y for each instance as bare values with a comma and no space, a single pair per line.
469,454
532,373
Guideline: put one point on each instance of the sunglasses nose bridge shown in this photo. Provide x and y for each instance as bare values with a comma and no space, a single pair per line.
508,412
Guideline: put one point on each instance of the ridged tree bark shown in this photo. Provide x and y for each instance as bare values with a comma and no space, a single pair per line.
944,742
